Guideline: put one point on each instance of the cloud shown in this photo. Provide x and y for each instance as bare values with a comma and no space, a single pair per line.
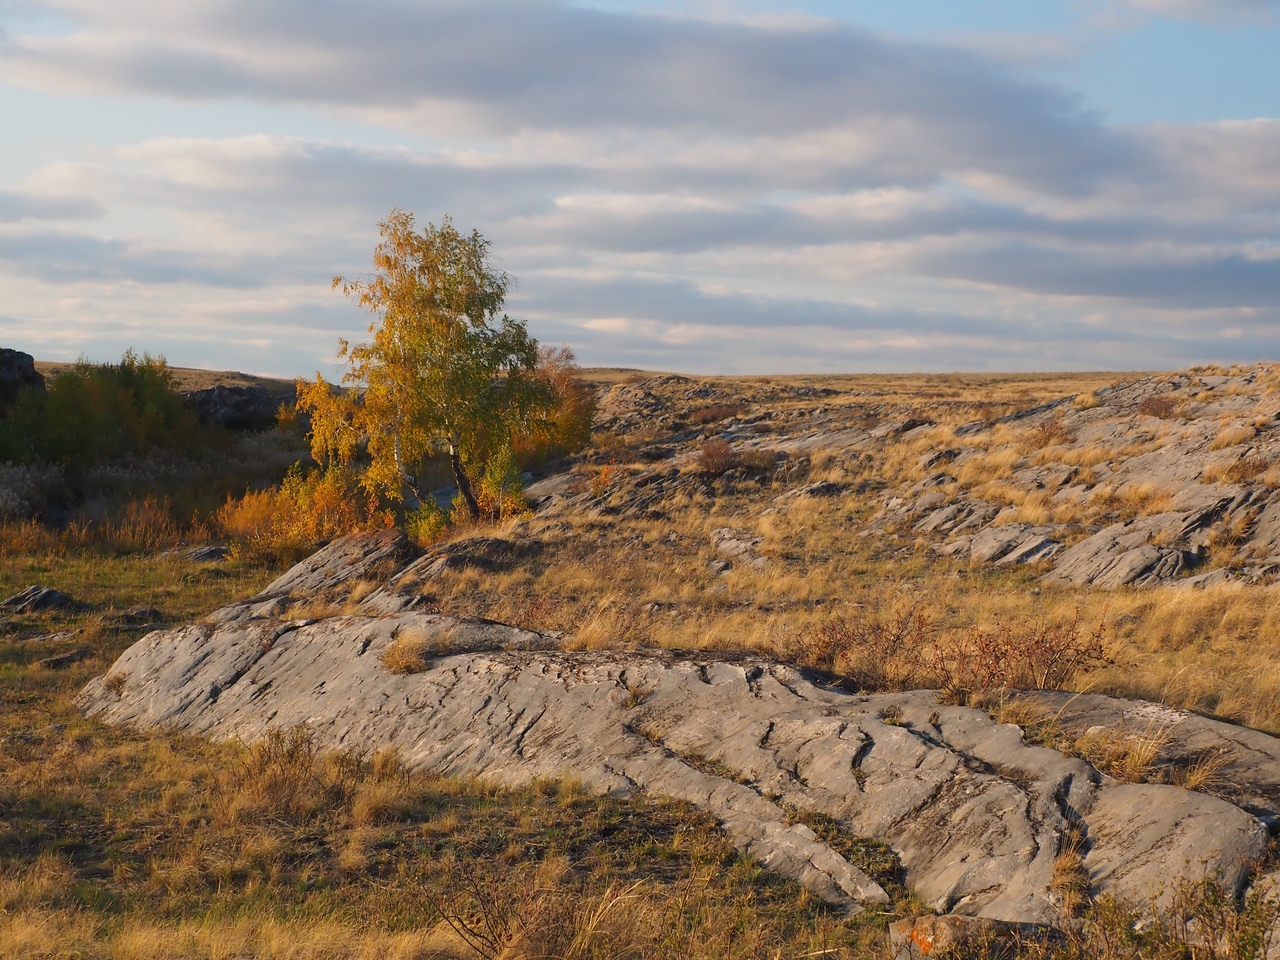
494,66
16,206
1225,11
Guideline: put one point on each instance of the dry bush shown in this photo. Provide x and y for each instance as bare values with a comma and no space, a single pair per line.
601,479
905,649
115,683
717,457
758,462
141,526
872,651
713,413
1035,655
1051,433
1163,406
27,537
284,777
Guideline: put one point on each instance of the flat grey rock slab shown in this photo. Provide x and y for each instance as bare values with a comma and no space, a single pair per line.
1246,761
976,816
344,559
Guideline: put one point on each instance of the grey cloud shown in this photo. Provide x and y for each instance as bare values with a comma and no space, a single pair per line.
541,65
674,302
1184,280
676,156
18,206
64,258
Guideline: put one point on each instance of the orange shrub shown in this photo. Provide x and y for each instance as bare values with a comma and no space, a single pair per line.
567,427
290,520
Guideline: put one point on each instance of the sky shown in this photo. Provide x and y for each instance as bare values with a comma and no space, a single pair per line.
711,186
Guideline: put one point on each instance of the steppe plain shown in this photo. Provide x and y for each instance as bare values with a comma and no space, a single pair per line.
977,536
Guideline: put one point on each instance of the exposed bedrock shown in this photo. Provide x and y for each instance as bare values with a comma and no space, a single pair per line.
976,815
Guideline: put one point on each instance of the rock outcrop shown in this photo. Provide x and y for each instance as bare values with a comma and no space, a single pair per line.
977,816
1148,482
234,407
17,372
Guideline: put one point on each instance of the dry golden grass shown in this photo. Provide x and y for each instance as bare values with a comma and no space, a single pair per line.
1050,433
1128,757
984,467
1086,401
1203,649
409,652
1233,434
1234,471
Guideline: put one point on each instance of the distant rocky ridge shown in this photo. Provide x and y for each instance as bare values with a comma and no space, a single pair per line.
234,407
977,816
1173,479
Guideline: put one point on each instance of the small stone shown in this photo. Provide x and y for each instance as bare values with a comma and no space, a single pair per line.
208,554
63,660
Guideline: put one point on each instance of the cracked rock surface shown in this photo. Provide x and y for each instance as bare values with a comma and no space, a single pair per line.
976,815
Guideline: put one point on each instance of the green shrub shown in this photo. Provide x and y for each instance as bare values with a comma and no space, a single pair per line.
97,411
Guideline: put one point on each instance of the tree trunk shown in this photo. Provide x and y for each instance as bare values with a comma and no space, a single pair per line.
464,485
408,482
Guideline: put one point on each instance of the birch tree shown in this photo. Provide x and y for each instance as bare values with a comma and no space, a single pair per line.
446,371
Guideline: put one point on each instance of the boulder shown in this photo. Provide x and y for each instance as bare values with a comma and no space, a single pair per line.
1012,543
735,545
17,372
36,598
1123,555
63,660
340,563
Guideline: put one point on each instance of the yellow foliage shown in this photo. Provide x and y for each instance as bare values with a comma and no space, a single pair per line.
305,510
